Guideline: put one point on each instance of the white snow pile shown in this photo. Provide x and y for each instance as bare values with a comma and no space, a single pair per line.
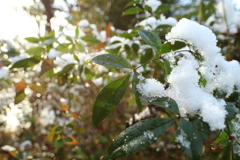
153,4
150,89
191,96
4,72
53,53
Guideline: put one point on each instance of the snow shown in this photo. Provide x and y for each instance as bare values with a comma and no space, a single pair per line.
8,148
185,88
4,72
64,60
181,138
83,23
196,35
53,53
150,89
153,4
149,134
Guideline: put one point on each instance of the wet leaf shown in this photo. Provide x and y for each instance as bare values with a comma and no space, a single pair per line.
108,99
138,136
166,103
190,140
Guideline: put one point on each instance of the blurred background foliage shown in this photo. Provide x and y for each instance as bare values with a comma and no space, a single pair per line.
56,105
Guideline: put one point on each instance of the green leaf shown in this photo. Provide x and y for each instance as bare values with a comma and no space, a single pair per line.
90,40
135,91
147,56
20,96
59,143
111,60
167,66
163,8
138,136
151,39
58,129
35,50
132,11
190,139
108,99
63,47
231,109
68,139
66,69
25,63
32,39
132,3
49,41
77,32
114,50
222,139
166,103
168,47
126,35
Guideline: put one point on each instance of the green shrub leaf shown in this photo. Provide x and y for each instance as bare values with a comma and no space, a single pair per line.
90,40
35,50
168,47
132,11
231,109
166,103
135,91
190,140
138,136
167,66
32,39
66,69
151,39
25,63
111,60
108,99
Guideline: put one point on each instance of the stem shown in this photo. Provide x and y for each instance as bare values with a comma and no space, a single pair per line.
200,13
231,143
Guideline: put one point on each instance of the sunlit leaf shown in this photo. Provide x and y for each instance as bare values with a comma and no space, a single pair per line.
32,39
20,86
36,88
46,66
151,39
25,63
70,140
131,11
138,136
20,96
111,60
90,40
63,106
190,140
35,50
74,115
135,91
166,103
49,41
108,99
